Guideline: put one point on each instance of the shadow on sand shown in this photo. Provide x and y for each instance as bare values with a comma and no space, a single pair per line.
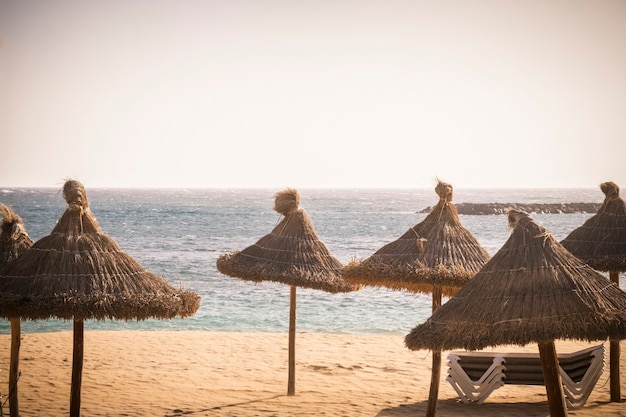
454,407
179,412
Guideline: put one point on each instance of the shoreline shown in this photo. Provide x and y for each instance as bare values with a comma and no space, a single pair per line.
201,373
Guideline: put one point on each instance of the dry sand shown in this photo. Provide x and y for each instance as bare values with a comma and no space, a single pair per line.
193,373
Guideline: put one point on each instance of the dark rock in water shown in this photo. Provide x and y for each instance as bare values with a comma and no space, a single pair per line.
503,208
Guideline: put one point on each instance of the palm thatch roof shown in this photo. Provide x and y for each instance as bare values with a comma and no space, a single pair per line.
14,240
438,251
79,272
532,290
291,253
601,240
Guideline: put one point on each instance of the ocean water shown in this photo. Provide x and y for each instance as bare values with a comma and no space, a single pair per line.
179,234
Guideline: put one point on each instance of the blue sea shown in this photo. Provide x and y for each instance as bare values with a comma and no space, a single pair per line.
179,234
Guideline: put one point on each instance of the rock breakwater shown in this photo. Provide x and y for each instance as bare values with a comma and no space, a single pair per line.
503,208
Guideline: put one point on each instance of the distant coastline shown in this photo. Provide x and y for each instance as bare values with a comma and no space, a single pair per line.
503,208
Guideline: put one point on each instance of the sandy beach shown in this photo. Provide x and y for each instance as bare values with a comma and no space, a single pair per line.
197,373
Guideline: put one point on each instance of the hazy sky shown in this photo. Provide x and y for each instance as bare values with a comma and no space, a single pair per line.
321,93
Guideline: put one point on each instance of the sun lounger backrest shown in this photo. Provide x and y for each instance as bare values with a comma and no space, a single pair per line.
576,365
475,366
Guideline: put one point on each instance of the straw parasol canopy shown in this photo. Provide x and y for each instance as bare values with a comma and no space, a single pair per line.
437,252
601,240
78,272
601,243
452,255
14,241
532,290
291,254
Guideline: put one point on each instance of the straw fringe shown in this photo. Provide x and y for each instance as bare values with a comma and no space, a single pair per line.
399,276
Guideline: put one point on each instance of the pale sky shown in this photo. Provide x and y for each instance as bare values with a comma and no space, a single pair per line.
320,93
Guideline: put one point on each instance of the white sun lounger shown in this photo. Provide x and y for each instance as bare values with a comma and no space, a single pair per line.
475,375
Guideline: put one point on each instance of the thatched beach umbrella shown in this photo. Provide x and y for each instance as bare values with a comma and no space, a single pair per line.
79,273
14,241
437,255
452,257
601,243
291,254
532,290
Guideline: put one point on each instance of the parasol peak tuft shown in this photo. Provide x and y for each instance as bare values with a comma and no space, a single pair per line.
287,201
12,223
9,216
444,191
516,217
75,194
610,189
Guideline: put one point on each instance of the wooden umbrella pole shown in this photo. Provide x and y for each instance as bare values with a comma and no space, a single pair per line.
77,367
614,357
552,379
14,409
433,394
291,383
